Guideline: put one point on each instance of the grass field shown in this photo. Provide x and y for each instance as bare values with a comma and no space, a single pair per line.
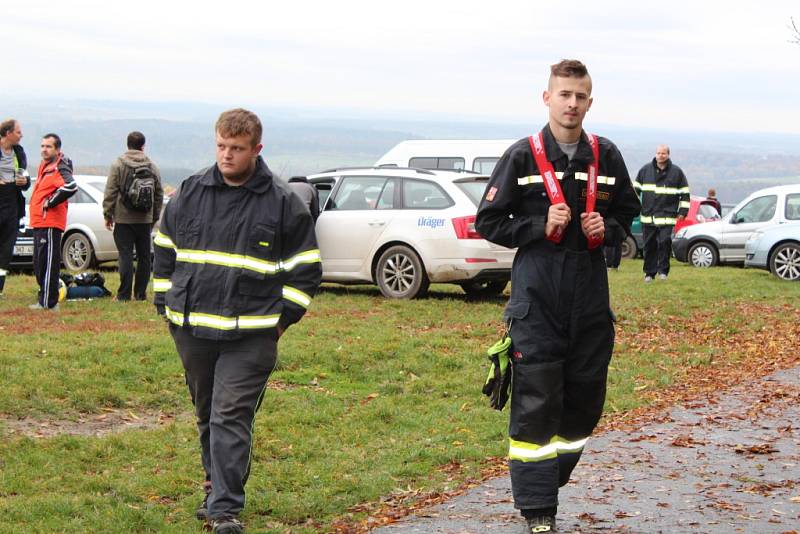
371,397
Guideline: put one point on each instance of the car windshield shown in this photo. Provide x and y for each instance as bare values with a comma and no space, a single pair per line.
473,189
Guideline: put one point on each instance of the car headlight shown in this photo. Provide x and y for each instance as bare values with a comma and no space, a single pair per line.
755,236
681,233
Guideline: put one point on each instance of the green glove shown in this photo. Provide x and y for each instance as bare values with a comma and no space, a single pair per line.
498,382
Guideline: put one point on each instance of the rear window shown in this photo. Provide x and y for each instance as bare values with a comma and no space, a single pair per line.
793,207
437,163
707,212
473,189
484,165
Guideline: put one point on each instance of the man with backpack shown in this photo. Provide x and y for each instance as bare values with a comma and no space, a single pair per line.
132,204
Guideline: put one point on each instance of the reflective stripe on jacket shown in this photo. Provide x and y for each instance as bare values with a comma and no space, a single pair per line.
233,259
664,193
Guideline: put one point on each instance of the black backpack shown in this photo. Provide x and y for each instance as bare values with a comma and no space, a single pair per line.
139,188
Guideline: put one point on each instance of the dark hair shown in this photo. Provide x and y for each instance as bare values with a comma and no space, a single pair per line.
7,126
135,141
236,122
569,68
55,137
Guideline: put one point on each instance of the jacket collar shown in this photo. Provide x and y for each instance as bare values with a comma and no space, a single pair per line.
667,165
582,155
259,183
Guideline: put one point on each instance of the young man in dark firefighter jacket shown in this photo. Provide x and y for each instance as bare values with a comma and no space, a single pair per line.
236,264
561,325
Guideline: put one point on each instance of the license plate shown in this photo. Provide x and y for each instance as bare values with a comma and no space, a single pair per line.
23,250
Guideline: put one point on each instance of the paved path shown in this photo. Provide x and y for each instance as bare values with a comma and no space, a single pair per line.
729,464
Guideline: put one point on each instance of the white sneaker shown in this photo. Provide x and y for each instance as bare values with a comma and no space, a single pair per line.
662,276
648,279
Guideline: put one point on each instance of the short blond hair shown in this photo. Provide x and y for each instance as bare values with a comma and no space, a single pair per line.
238,122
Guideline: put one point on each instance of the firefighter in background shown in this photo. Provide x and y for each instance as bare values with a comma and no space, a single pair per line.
552,196
665,201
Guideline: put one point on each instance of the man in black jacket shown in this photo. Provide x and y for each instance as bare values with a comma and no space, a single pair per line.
665,201
554,196
236,264
14,180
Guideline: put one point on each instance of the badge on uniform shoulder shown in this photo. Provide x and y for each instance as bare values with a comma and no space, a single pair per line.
491,193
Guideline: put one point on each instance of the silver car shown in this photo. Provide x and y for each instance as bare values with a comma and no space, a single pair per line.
776,249
86,241
403,229
723,241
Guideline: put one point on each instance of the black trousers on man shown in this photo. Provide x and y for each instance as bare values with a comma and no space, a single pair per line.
130,237
657,249
226,380
613,246
47,264
9,229
562,335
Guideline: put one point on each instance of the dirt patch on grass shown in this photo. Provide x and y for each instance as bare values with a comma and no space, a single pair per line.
22,322
110,421
701,376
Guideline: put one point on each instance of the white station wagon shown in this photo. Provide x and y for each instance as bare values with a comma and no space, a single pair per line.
403,229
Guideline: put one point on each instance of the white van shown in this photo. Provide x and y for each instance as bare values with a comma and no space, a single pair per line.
478,155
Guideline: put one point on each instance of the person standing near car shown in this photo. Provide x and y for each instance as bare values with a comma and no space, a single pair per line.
307,192
131,205
665,201
48,218
14,180
236,264
712,196
553,196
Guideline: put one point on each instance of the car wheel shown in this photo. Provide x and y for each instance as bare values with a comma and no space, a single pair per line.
77,252
629,248
703,255
487,288
400,274
785,262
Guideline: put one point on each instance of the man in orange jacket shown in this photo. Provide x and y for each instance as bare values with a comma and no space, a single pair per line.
48,218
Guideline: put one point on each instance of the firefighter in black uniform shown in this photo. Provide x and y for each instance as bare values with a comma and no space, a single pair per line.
665,201
561,325
236,263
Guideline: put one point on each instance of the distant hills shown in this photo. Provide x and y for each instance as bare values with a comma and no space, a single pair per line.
180,139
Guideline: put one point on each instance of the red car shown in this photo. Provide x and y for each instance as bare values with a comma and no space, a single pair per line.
700,210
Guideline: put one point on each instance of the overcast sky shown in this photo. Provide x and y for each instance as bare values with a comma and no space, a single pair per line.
681,64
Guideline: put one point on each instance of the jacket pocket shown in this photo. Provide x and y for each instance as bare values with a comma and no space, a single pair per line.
261,241
255,285
516,309
177,295
189,233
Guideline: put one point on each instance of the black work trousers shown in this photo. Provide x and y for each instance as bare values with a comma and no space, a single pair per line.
47,264
562,336
613,246
226,380
9,229
130,237
657,249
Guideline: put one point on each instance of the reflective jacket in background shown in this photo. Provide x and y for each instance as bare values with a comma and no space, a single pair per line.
229,260
665,193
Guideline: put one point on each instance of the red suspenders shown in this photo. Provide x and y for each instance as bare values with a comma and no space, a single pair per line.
553,188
